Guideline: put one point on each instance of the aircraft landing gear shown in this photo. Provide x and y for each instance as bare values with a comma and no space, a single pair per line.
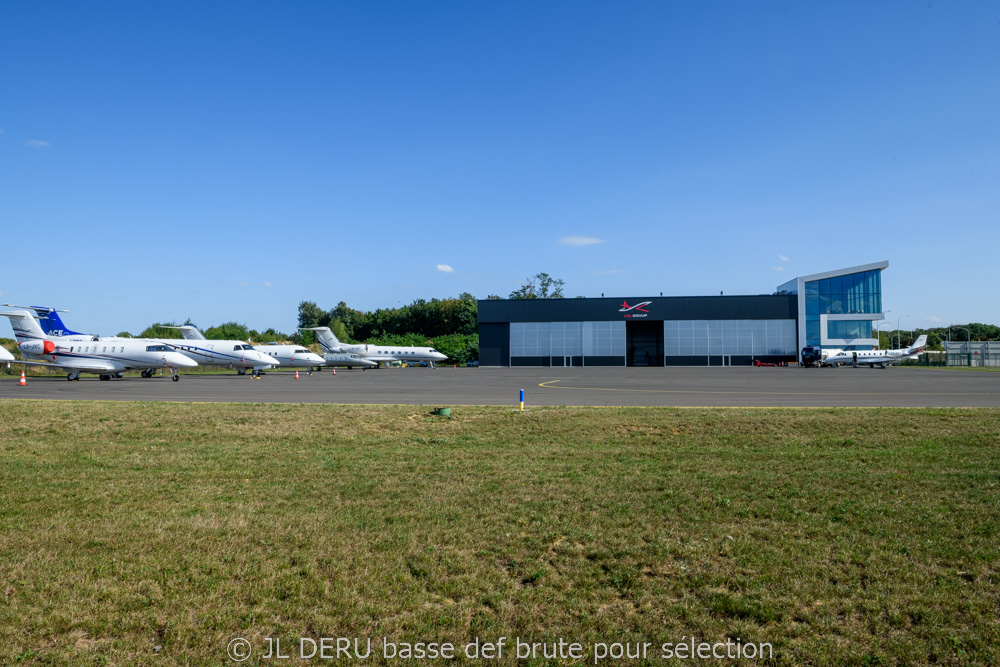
241,371
176,376
105,377
119,375
73,376
146,373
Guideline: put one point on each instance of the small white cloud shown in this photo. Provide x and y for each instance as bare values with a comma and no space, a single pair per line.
935,319
243,283
778,268
444,268
783,258
607,273
35,143
577,241
266,284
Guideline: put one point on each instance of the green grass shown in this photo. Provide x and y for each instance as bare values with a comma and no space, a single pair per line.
838,536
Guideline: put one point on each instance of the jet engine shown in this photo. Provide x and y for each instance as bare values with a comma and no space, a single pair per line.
37,347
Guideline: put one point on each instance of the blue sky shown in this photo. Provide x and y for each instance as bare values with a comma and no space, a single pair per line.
224,161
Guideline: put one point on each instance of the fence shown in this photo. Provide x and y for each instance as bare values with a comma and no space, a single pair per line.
956,359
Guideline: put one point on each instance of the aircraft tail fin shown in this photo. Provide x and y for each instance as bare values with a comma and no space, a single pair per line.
25,326
919,343
49,320
327,340
189,332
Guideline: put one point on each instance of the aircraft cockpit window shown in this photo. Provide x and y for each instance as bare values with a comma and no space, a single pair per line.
248,347
301,351
157,348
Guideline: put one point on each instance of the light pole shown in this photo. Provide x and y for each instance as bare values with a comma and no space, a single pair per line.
878,335
898,339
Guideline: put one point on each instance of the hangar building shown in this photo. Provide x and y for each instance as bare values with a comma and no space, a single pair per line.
831,309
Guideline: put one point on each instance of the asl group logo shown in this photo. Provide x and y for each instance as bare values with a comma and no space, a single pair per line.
638,310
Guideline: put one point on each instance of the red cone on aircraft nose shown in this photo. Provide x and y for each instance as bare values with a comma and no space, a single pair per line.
48,346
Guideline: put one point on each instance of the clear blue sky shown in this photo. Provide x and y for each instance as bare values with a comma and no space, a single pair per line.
226,160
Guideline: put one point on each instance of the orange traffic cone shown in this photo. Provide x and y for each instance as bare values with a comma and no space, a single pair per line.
296,375
334,371
23,382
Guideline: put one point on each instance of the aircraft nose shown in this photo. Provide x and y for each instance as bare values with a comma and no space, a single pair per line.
177,360
268,359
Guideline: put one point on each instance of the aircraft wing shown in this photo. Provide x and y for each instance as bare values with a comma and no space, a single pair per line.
88,366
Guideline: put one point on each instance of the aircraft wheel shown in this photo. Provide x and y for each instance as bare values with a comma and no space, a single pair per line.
241,371
176,377
105,377
70,377
119,375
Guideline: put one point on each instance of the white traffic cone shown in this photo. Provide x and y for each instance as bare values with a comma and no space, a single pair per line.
23,382
334,371
296,375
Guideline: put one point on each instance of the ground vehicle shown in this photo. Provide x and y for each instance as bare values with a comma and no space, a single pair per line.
812,356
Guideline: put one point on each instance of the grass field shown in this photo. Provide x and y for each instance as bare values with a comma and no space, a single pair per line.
154,533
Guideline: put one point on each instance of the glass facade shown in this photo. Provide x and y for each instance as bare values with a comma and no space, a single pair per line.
849,329
567,339
699,338
681,338
854,293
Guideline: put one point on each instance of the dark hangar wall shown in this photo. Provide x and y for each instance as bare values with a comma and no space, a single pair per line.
757,307
495,317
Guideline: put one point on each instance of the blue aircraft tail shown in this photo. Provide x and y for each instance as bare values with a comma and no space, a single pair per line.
51,323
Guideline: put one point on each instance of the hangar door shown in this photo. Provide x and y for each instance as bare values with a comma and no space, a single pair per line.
644,343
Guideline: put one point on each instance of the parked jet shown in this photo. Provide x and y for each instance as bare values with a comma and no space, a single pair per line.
82,353
880,358
375,353
6,357
291,356
225,353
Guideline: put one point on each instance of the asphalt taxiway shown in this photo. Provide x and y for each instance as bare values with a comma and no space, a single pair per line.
447,386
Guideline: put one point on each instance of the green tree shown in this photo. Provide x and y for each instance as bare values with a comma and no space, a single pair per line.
160,330
539,286
311,315
227,331
459,348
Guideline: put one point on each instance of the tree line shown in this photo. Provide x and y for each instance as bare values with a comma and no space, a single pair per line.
936,336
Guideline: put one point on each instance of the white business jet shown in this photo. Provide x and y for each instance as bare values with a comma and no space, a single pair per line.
106,357
224,353
291,356
880,358
378,354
